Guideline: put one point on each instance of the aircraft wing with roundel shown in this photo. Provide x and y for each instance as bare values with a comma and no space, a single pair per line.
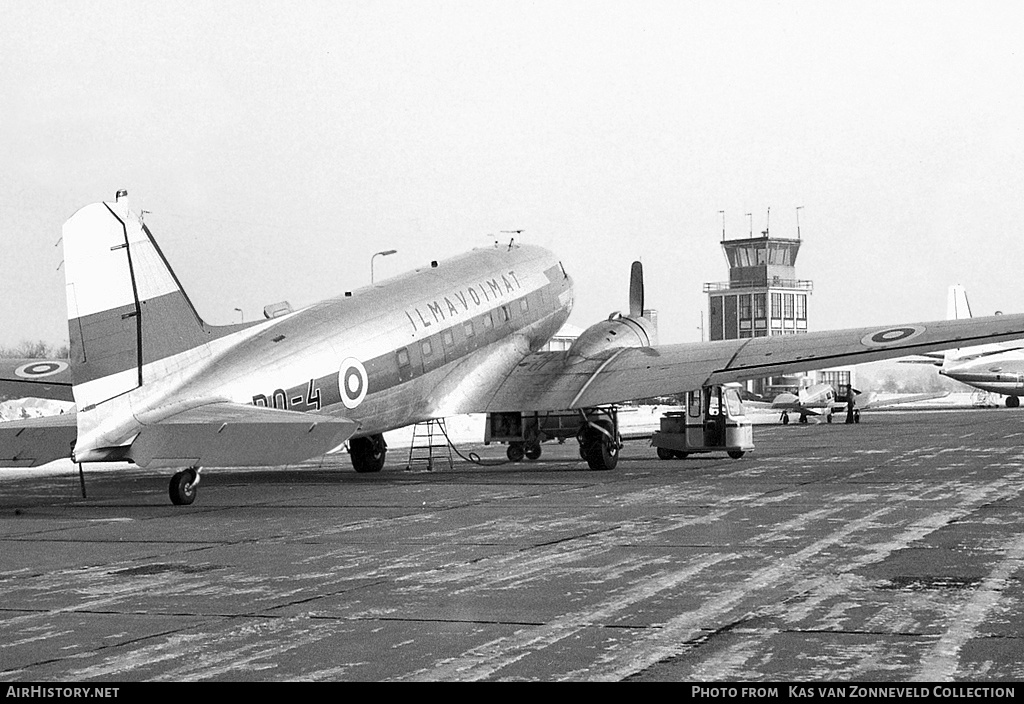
35,378
557,380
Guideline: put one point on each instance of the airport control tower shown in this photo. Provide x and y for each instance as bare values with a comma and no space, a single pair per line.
762,296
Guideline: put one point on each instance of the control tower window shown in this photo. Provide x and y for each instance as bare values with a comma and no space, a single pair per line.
801,306
760,301
744,307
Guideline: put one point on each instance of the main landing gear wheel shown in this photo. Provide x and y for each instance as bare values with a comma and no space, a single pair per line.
368,454
183,486
599,447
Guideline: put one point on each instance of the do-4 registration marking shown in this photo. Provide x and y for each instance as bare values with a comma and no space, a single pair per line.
304,397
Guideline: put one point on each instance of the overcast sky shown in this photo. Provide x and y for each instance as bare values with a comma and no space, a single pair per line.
278,145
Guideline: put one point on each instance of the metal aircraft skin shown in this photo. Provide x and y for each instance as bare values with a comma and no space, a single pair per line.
997,368
157,386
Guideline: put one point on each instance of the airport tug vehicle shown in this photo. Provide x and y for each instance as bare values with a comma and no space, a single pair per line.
713,421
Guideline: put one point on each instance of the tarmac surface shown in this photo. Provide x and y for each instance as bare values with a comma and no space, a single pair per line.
887,551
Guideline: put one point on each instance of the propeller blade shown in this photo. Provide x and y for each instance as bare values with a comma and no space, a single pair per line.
636,290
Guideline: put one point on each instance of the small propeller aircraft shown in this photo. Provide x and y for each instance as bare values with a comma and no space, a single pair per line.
823,399
155,385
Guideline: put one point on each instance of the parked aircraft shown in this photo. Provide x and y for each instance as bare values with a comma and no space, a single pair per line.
823,399
156,385
997,368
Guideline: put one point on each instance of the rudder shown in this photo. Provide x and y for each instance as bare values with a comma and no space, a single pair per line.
125,306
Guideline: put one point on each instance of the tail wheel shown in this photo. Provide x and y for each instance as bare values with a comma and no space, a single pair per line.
183,485
368,454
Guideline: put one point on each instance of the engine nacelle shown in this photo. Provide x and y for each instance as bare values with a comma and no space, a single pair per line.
617,331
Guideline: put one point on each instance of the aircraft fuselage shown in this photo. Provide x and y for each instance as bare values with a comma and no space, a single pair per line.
1005,376
394,353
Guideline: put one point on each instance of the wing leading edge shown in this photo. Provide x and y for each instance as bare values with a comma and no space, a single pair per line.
554,380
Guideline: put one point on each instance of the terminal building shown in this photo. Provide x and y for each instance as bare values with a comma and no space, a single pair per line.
762,297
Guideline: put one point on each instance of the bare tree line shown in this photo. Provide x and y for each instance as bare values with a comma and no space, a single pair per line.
37,350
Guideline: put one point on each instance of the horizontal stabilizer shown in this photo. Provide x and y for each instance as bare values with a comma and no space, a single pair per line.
235,435
35,378
36,441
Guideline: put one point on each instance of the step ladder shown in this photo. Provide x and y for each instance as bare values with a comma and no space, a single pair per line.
429,446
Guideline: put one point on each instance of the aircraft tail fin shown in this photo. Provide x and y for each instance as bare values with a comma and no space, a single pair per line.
126,307
957,306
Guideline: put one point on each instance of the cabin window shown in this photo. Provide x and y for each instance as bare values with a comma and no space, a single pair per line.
488,322
447,339
425,346
468,328
506,314
403,357
524,305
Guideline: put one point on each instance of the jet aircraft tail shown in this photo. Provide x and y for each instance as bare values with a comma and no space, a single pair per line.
126,307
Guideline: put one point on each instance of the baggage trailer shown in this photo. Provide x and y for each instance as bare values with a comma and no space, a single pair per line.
713,421
596,429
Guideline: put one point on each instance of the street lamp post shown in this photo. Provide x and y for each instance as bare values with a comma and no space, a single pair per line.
385,253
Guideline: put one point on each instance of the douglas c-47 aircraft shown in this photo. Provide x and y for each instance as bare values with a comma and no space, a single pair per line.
155,385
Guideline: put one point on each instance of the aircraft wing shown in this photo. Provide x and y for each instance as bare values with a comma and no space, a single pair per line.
35,378
554,380
35,441
237,435
876,402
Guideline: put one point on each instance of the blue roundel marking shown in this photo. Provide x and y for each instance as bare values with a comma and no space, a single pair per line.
36,370
352,382
889,336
